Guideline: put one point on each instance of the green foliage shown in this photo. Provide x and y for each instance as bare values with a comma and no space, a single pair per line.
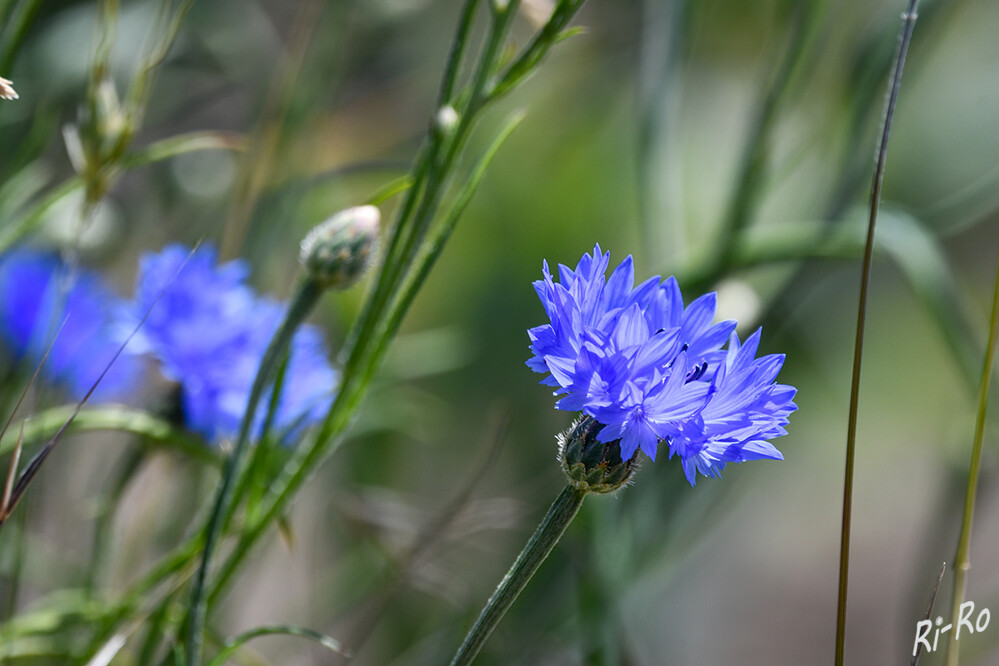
749,132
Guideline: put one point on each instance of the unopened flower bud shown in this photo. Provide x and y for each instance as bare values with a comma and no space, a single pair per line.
592,465
446,120
340,250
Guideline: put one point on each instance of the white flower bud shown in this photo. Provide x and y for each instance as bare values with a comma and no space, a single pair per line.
338,251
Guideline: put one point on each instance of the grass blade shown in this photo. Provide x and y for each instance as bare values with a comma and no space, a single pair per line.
929,610
908,23
962,559
234,644
26,477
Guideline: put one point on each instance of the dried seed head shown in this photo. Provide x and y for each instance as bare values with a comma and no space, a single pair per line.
7,89
339,251
590,464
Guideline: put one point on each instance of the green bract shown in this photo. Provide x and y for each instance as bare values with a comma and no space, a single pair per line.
338,252
591,465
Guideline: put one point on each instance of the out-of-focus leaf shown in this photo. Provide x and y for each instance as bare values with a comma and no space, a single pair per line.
43,425
17,227
236,643
15,230
21,187
914,249
48,630
185,143
919,256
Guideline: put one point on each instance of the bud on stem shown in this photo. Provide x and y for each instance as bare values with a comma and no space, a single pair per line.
339,251
591,465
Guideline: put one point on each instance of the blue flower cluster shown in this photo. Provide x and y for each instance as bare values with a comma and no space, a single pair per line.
41,300
209,331
650,369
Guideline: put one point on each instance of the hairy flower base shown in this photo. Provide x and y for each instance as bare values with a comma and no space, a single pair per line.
652,370
591,465
340,250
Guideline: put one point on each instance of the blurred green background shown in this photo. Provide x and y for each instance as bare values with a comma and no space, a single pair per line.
635,137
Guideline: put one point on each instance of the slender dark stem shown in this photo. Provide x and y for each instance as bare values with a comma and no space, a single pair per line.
908,23
929,609
552,526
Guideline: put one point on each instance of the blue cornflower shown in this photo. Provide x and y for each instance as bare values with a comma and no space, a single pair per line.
37,294
650,369
209,331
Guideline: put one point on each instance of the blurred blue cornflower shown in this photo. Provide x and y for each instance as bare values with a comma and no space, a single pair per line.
209,331
38,293
649,369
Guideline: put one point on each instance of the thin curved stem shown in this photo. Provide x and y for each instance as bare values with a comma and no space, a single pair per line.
306,297
908,23
552,526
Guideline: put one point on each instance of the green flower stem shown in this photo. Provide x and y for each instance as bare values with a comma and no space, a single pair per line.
251,476
962,560
384,308
294,474
422,172
353,390
305,299
552,526
429,177
549,35
457,53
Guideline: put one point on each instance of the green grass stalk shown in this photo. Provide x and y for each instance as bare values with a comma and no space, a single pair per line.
962,560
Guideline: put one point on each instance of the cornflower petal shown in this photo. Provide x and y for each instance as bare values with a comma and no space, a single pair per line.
209,332
649,369
631,328
41,300
619,285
